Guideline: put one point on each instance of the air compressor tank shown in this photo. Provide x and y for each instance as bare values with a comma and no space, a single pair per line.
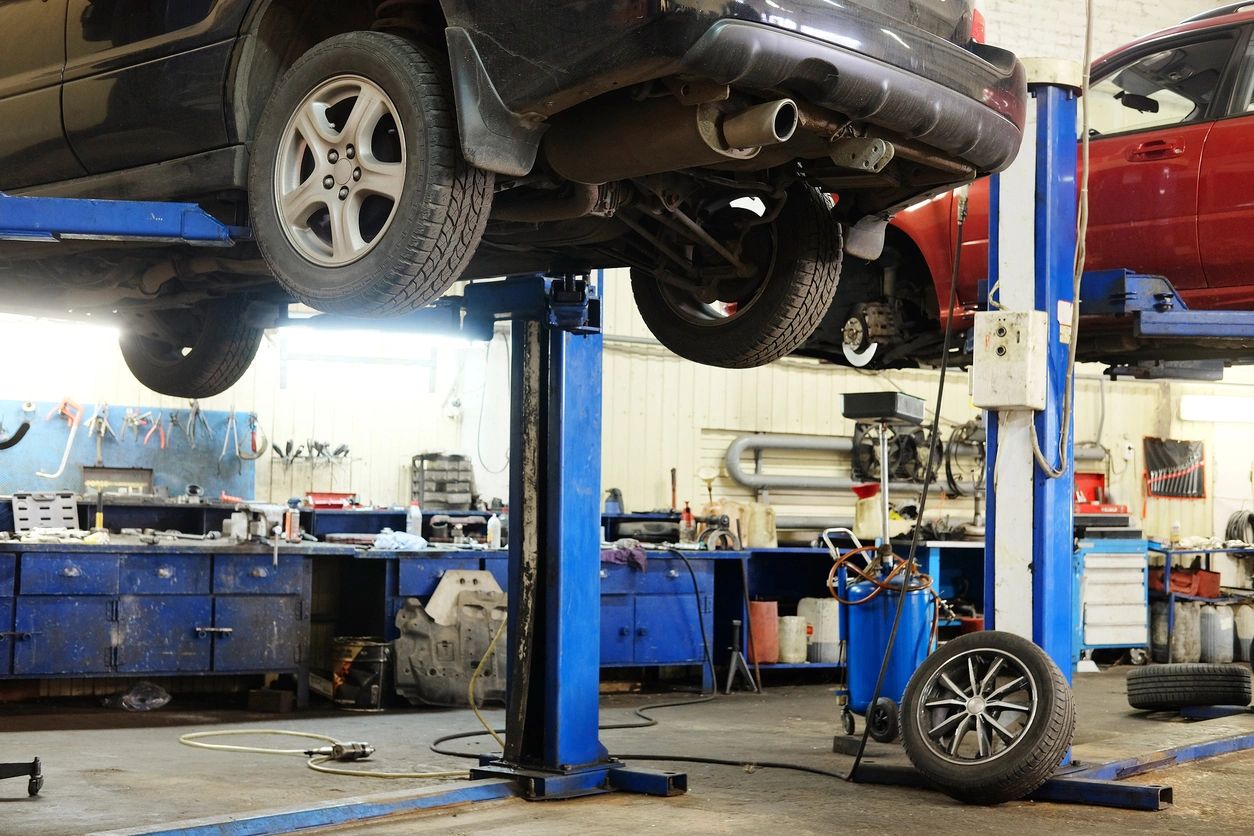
870,624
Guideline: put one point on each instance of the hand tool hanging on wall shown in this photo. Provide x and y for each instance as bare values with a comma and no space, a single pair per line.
99,427
158,427
257,441
73,414
230,441
13,440
134,422
196,421
177,424
287,455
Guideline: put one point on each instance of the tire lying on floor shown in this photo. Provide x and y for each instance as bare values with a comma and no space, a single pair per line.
1170,687
987,718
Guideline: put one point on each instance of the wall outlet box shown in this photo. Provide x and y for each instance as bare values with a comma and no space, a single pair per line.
1009,369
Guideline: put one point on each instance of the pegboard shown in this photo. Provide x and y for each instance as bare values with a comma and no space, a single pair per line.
174,468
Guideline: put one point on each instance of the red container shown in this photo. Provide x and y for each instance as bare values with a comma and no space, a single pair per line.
764,632
973,624
330,501
1197,582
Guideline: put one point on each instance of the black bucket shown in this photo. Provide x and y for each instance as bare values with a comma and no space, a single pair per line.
361,671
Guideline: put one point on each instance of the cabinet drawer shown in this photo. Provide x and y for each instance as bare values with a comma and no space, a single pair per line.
420,576
244,574
169,574
8,571
663,577
69,574
671,577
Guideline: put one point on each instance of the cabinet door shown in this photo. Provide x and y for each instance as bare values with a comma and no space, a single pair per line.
6,641
618,627
157,633
70,634
267,633
667,629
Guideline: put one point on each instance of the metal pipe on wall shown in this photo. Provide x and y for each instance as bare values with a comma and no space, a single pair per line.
831,444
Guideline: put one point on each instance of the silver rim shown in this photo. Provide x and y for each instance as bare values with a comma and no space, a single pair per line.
340,171
977,706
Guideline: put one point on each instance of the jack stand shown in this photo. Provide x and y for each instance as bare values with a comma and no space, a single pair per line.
738,664
32,771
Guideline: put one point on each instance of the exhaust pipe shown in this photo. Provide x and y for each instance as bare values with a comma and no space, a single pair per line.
623,139
765,124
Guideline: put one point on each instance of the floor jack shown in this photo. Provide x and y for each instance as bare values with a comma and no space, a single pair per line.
33,771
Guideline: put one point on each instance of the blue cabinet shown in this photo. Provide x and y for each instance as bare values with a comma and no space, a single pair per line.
618,629
7,636
656,617
64,634
109,610
157,634
258,633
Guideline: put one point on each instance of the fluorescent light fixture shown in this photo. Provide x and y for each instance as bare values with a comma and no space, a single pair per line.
1217,409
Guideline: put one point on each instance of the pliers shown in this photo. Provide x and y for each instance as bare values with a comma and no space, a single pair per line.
158,427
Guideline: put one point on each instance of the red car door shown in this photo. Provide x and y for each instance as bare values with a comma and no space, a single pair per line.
1143,203
1225,212
1151,115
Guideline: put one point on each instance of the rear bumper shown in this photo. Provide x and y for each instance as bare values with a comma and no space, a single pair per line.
951,99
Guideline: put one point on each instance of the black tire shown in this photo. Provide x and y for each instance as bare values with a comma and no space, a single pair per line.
1170,687
1039,743
218,346
793,298
884,721
438,221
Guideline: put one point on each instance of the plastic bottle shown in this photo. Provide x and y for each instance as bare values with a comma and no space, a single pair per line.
413,520
687,525
494,532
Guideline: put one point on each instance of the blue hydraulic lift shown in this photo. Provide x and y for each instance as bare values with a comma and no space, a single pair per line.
552,747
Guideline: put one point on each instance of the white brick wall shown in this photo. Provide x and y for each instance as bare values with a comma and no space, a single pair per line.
1055,29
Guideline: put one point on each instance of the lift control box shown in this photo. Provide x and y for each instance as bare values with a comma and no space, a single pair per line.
1009,368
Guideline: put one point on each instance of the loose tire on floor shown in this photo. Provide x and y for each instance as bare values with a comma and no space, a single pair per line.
386,225
1025,710
1170,687
215,346
792,298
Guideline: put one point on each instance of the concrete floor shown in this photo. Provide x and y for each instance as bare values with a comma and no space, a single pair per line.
108,770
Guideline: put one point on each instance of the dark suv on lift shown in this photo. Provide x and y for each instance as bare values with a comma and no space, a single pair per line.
728,153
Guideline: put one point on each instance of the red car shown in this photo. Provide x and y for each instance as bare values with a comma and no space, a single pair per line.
1171,193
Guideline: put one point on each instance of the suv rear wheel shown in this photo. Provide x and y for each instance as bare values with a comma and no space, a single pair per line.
193,352
359,197
738,320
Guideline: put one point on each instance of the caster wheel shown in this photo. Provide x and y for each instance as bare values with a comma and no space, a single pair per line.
846,721
1138,656
34,785
884,721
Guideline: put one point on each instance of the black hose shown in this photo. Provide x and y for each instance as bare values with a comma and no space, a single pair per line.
1240,527
696,594
13,440
928,474
647,722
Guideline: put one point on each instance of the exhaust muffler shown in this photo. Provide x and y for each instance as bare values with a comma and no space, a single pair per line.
621,140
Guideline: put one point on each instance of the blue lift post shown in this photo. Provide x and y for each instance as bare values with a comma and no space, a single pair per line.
1052,499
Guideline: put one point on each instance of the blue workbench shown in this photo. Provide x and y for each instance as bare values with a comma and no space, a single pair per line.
168,609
